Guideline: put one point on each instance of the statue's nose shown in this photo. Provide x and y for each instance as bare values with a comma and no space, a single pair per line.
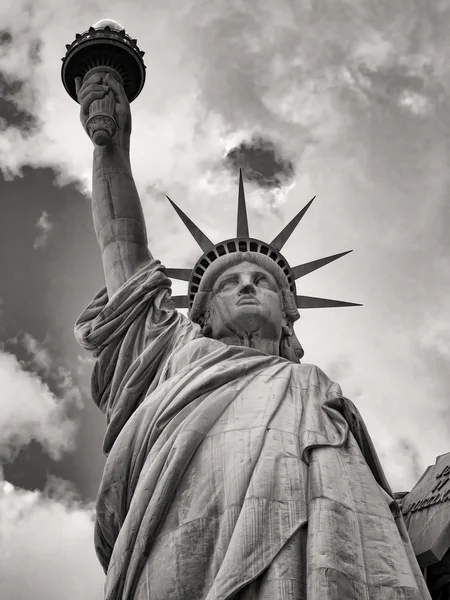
247,288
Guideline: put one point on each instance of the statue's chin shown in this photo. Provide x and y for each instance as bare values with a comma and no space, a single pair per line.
247,320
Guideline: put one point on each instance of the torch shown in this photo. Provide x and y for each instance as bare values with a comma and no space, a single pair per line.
104,48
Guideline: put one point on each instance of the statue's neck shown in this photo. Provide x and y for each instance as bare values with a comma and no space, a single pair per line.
252,340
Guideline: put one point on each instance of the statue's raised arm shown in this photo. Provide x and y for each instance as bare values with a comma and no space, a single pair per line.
116,207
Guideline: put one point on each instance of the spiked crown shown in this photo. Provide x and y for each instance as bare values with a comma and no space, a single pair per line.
244,243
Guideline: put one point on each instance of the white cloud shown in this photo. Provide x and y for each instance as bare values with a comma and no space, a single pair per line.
39,354
418,104
44,226
374,50
40,361
48,367
30,411
46,545
434,332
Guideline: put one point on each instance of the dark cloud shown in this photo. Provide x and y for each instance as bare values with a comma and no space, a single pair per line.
10,114
34,46
30,468
261,162
5,37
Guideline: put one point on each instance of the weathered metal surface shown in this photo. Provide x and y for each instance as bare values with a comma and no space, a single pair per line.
427,513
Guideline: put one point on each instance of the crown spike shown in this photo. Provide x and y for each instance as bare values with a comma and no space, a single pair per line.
285,234
205,243
242,222
180,301
309,267
311,302
181,274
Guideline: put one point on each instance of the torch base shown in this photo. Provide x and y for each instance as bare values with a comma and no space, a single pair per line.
101,128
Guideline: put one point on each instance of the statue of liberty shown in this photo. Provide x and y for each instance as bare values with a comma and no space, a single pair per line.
233,470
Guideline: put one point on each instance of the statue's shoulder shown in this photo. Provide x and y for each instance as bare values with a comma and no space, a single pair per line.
318,378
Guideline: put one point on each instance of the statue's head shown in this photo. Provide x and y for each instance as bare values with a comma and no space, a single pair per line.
247,293
245,287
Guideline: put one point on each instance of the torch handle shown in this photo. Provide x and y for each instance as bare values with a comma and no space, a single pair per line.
101,124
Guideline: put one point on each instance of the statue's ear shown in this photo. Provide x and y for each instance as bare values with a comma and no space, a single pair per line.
290,346
205,324
287,328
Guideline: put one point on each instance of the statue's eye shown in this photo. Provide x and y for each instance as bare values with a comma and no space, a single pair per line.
228,284
262,281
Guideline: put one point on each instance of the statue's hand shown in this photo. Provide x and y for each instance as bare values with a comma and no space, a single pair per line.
95,88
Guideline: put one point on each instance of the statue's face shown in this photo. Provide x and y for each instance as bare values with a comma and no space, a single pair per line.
246,299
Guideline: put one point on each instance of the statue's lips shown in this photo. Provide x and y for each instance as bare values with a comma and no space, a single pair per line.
247,300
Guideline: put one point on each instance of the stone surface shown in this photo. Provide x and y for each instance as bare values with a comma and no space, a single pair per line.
427,513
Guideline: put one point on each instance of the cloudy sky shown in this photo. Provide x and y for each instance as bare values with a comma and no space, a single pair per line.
348,100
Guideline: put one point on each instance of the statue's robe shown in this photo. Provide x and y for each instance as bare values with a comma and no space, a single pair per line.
231,473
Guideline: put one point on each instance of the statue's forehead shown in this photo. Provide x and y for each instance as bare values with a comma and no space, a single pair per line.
241,263
244,268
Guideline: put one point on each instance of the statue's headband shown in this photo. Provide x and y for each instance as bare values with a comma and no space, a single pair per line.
243,243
